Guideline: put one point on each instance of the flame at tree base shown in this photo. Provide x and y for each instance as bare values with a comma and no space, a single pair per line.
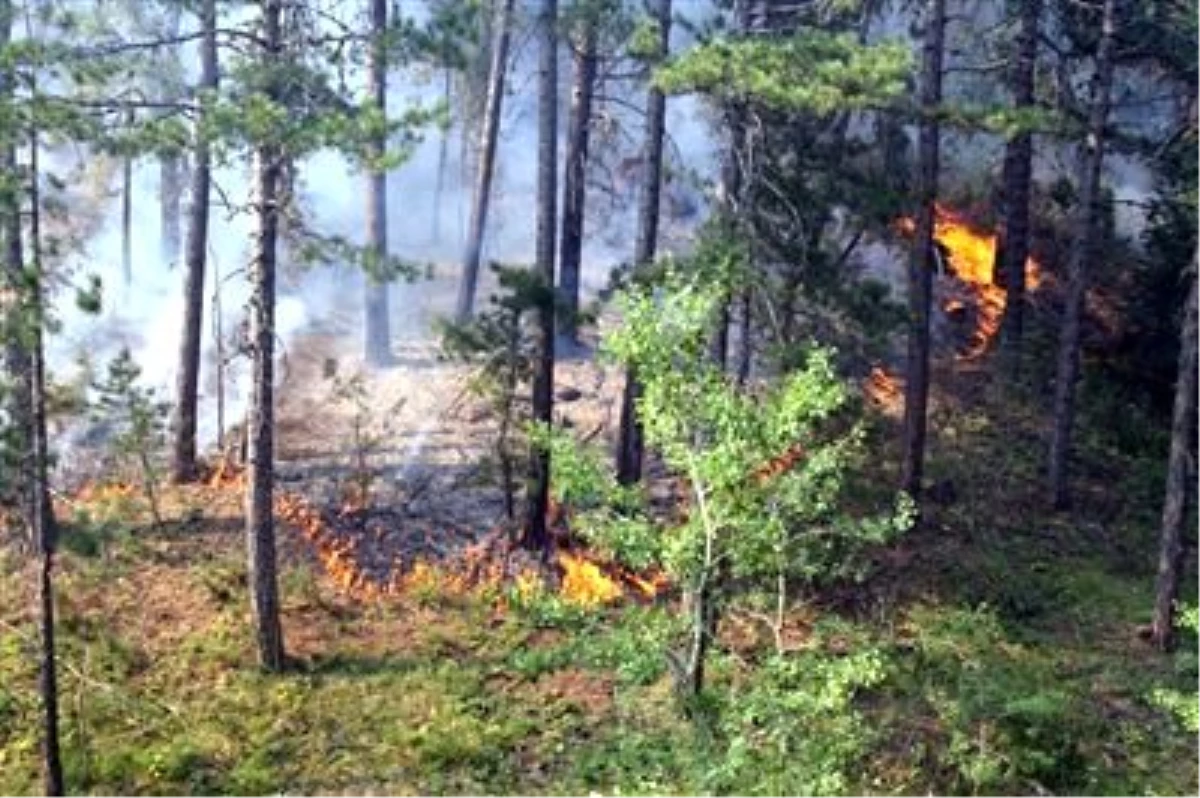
972,256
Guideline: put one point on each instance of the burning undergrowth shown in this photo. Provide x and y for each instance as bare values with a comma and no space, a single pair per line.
371,553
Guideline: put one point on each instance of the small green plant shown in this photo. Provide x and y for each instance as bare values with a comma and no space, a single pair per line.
138,418
1180,704
499,345
369,429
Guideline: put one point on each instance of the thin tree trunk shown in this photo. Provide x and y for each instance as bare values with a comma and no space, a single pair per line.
127,211
183,465
538,494
1086,225
483,188
1179,464
630,445
575,183
378,333
260,522
730,192
922,262
1018,173
439,186
16,355
41,513
171,171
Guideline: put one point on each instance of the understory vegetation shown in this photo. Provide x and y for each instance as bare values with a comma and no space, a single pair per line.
964,663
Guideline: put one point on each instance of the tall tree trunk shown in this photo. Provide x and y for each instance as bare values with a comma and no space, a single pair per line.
730,191
1086,224
16,356
1183,435
42,525
1018,174
171,165
183,460
260,522
489,135
630,445
378,333
538,493
439,186
127,211
922,262
575,182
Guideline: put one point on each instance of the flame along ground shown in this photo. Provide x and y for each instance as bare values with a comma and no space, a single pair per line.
585,580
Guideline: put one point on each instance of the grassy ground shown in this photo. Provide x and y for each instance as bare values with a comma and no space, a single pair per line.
1007,636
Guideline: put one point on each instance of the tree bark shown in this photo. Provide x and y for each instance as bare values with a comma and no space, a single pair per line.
439,186
260,521
183,461
630,447
42,525
16,356
730,192
127,211
170,166
378,333
1179,464
537,498
922,262
1018,174
1086,225
575,182
489,136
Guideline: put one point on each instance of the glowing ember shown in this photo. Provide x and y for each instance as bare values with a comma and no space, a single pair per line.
972,258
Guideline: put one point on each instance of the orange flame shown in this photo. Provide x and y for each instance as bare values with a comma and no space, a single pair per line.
585,582
972,258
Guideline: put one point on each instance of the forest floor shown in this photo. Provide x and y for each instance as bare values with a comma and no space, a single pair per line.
1010,634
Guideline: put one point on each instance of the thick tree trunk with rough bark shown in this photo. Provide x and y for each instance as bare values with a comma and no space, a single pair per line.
575,180
260,520
922,262
183,459
378,336
489,135
538,492
1018,174
1086,224
1181,480
630,445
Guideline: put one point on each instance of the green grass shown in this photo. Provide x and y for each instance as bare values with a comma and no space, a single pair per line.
1007,639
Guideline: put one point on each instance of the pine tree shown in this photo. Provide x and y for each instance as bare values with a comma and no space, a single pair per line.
1086,230
630,446
922,263
535,535
489,137
183,461
260,519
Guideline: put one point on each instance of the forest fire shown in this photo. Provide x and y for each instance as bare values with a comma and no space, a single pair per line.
884,389
972,255
585,581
